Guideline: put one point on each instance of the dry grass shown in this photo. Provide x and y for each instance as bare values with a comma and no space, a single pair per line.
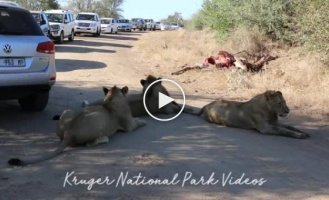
301,77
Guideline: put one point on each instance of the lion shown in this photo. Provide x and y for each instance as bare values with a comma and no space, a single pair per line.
93,125
260,113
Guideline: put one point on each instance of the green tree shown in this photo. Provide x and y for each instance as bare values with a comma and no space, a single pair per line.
174,18
39,4
105,8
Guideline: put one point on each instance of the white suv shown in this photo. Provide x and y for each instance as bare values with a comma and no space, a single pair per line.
61,25
88,23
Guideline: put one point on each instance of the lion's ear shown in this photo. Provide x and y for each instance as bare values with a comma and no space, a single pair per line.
105,90
124,90
142,82
269,94
279,93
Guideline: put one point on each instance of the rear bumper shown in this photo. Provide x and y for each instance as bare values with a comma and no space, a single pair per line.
16,92
15,85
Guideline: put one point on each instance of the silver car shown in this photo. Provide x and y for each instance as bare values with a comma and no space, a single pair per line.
27,61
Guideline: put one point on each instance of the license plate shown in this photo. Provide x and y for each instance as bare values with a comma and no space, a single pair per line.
12,62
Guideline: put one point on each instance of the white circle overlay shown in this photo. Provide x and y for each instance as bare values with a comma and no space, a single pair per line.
159,119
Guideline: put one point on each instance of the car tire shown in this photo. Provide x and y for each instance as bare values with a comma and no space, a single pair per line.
71,38
95,34
35,102
60,40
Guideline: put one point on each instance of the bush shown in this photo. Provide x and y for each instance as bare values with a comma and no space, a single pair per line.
292,22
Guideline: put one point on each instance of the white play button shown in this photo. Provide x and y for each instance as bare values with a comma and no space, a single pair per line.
164,100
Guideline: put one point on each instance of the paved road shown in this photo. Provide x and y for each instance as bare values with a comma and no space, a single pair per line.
188,146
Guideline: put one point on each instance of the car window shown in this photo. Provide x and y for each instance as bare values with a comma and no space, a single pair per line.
57,18
86,17
105,21
10,18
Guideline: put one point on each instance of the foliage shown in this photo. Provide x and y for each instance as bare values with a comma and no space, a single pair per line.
295,22
39,4
174,18
105,8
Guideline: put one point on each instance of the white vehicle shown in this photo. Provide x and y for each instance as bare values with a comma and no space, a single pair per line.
41,18
157,25
124,25
61,24
109,25
150,24
88,23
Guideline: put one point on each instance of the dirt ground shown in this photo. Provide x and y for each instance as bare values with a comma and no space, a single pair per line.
293,169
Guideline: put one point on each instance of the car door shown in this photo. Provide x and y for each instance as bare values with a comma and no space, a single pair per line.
67,29
72,21
44,24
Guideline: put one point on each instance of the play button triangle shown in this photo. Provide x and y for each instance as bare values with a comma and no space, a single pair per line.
164,100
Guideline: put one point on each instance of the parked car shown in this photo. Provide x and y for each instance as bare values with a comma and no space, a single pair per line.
41,18
157,25
61,25
138,23
174,26
109,25
87,22
27,61
150,24
124,25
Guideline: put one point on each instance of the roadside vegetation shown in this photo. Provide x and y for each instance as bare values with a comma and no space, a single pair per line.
295,31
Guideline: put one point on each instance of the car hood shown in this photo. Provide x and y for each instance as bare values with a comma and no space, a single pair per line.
84,21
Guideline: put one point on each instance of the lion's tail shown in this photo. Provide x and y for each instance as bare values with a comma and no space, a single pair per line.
193,110
19,162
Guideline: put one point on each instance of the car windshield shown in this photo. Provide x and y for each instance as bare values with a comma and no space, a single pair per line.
57,18
105,21
10,18
123,21
86,17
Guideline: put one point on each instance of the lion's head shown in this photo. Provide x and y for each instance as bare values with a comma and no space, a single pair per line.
152,95
157,87
276,103
115,97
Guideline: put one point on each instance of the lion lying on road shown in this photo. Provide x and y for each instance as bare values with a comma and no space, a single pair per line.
260,113
93,125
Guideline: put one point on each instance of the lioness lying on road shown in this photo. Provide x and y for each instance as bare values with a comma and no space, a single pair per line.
93,125
260,113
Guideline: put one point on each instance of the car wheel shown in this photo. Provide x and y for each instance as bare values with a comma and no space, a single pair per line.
60,40
99,33
71,38
36,102
96,34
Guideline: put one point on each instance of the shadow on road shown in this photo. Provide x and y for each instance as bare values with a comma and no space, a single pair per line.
159,150
65,65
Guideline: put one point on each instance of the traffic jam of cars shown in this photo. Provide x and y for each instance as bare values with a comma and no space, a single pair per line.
27,60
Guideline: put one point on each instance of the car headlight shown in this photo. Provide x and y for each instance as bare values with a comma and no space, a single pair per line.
92,24
55,27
